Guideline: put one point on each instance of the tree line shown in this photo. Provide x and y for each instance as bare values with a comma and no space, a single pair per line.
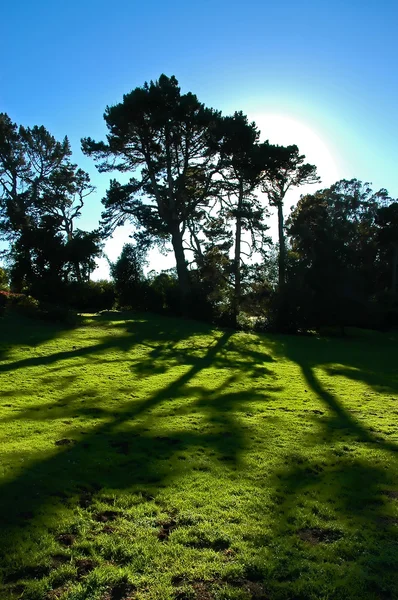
202,182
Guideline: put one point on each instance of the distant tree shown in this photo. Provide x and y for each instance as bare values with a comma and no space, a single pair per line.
41,196
288,170
387,222
82,248
64,193
28,158
334,239
128,276
242,162
161,137
3,279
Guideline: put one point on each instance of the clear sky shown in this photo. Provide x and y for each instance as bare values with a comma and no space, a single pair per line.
317,73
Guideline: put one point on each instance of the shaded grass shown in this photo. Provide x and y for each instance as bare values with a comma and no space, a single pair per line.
157,458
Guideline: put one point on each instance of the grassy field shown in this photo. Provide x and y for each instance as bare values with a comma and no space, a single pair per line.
147,458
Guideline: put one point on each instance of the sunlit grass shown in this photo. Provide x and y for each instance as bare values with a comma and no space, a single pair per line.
157,458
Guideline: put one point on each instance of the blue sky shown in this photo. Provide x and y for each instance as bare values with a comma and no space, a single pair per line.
320,74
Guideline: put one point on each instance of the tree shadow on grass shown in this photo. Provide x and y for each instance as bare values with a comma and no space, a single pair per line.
17,331
333,515
335,501
127,450
371,364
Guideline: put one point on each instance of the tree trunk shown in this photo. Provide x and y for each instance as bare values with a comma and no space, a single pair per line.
237,274
23,274
282,248
78,272
394,269
182,269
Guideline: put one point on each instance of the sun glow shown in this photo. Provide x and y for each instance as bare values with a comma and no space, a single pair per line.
278,129
283,130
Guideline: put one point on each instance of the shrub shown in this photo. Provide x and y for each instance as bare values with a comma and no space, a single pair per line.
161,294
15,302
3,302
91,296
25,306
3,279
57,314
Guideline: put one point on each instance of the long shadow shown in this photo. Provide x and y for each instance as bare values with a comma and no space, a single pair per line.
334,516
17,331
341,494
124,452
323,353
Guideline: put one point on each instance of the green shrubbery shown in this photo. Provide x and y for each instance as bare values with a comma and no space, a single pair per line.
3,279
91,296
26,306
19,303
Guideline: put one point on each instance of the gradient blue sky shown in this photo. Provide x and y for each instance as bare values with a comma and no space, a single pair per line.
320,74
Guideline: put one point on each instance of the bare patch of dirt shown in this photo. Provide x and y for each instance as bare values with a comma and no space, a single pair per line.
387,521
66,539
86,499
391,494
59,559
315,535
56,594
254,588
204,590
229,553
166,527
64,442
84,566
106,515
120,591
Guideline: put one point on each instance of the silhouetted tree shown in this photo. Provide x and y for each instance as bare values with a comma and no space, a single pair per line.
162,137
387,221
128,275
286,171
28,158
334,238
242,161
41,195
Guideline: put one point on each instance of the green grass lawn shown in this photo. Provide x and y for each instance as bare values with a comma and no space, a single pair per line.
147,458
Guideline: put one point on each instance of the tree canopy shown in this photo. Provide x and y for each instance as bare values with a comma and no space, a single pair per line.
202,183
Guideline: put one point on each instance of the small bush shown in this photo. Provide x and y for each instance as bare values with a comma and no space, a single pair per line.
3,279
57,314
3,302
19,303
91,296
160,294
25,306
